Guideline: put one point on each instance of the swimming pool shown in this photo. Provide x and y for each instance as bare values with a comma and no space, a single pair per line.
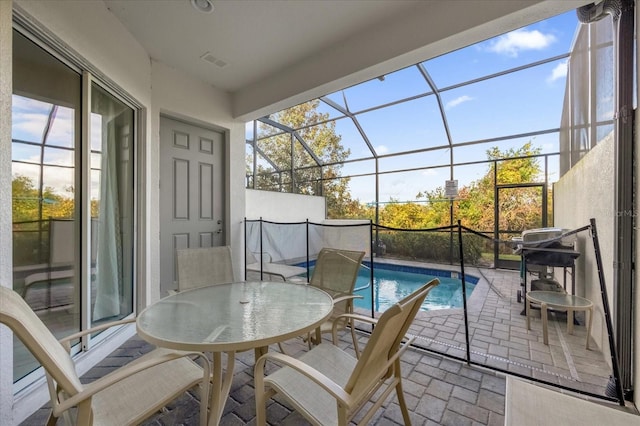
393,282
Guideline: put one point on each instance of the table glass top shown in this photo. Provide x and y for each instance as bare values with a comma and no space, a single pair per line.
234,316
558,298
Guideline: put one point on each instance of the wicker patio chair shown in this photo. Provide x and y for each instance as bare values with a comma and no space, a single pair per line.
336,272
198,267
126,396
328,386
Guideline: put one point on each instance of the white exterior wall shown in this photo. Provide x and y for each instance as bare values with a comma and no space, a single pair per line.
283,207
6,261
90,30
93,32
179,96
573,209
597,175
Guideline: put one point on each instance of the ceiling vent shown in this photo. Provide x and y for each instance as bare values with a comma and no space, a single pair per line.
212,59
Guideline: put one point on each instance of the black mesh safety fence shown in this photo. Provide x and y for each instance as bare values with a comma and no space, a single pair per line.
478,313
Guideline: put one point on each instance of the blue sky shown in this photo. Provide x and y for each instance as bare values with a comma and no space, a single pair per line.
525,101
29,119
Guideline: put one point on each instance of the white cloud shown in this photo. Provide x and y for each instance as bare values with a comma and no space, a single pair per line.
59,180
381,149
21,169
560,71
457,101
514,42
28,126
20,103
430,172
62,129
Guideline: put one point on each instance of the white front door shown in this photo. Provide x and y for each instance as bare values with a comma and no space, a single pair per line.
191,193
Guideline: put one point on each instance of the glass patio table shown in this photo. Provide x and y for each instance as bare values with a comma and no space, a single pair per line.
559,301
230,318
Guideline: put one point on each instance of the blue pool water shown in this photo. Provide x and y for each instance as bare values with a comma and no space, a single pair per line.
393,282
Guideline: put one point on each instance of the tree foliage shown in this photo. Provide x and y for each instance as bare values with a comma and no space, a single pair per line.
285,165
474,206
519,208
27,201
298,171
404,215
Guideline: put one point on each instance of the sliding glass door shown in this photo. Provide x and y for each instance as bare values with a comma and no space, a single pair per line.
73,196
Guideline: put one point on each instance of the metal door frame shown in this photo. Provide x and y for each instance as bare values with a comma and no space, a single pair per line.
512,264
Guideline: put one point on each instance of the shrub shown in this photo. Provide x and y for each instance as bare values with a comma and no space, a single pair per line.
432,246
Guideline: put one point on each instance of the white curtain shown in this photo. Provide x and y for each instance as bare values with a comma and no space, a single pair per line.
108,262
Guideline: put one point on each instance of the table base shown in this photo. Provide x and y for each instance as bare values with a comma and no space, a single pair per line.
544,315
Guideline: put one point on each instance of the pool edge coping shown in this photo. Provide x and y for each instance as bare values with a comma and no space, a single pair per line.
475,302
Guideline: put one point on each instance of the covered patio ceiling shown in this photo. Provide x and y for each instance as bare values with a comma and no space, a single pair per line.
273,54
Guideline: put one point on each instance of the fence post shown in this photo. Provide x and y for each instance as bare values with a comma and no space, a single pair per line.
261,250
464,292
607,315
307,244
374,245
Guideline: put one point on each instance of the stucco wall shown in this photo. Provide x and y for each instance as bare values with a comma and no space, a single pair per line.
6,263
585,192
283,207
93,33
179,96
99,39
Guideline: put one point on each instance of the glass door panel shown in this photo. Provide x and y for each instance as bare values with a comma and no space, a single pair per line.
112,124
45,136
50,166
518,208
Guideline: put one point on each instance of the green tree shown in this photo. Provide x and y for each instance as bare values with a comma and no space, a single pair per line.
297,170
404,215
27,201
475,203
519,209
438,208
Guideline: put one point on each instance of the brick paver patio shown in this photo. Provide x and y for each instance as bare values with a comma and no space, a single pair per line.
438,391
441,390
